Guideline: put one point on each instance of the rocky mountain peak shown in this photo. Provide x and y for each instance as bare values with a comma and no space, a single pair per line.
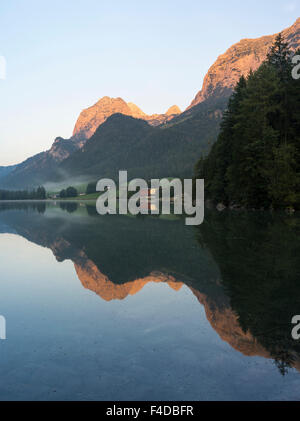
174,110
238,60
91,118
136,111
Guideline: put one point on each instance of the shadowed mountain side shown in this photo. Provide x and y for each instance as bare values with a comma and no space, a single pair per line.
43,167
91,118
123,142
39,169
4,171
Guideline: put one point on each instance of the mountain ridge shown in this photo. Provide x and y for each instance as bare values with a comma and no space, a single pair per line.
248,53
193,131
92,117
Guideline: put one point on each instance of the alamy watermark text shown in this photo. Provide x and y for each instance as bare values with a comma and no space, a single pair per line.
145,199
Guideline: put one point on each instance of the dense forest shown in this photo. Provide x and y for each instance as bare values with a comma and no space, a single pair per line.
255,162
68,193
38,194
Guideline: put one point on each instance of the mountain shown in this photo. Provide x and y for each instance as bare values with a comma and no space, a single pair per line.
4,171
39,168
174,110
259,140
165,145
171,148
91,118
238,60
136,111
43,167
123,142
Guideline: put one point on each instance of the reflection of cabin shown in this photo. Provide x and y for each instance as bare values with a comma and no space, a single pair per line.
148,193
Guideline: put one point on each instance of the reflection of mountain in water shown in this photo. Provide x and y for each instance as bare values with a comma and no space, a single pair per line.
258,256
91,278
250,304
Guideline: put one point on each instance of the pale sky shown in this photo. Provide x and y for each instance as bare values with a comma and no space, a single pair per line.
62,56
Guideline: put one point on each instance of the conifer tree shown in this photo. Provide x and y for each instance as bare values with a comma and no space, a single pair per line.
256,159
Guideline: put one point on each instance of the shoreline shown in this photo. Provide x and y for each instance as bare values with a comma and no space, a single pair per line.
210,206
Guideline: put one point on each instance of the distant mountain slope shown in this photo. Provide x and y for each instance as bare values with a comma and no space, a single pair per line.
39,168
4,171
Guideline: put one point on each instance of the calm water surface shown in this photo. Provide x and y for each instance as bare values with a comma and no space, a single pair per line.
124,308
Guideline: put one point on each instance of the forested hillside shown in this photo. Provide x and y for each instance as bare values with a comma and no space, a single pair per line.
127,143
256,159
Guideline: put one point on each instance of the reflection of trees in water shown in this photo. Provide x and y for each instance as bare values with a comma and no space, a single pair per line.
69,206
39,207
258,256
91,210
256,253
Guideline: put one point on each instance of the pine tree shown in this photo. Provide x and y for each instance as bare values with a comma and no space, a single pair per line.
256,159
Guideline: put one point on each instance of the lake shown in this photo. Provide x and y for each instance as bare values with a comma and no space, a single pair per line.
145,308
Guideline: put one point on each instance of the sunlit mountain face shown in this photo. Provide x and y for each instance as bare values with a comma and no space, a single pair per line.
242,269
